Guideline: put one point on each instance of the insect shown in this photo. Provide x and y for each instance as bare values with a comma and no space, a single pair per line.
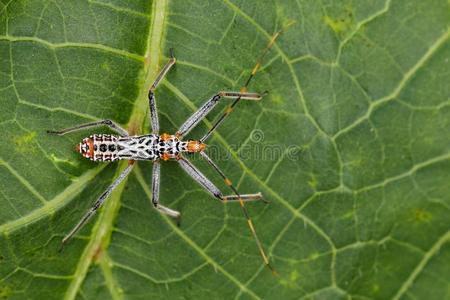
158,147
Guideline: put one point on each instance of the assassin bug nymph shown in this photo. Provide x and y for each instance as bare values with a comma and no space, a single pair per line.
156,147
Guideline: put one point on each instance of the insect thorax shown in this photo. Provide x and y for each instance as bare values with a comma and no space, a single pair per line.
106,147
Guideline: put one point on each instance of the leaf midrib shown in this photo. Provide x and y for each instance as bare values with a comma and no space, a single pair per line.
103,228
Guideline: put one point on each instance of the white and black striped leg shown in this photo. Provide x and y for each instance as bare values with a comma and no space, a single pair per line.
204,110
210,187
151,96
106,122
164,70
97,204
155,193
153,112
236,195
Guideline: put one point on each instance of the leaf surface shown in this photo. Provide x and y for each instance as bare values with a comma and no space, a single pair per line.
351,147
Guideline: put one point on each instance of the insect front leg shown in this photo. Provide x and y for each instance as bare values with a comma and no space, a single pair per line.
151,96
155,193
97,204
106,122
206,108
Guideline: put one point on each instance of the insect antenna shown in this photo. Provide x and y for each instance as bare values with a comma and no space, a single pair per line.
219,121
244,88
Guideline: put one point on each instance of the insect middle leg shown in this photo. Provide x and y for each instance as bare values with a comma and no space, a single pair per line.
206,108
151,96
155,192
106,122
210,187
97,204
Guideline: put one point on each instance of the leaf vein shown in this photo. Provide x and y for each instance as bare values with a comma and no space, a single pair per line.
50,45
422,264
407,76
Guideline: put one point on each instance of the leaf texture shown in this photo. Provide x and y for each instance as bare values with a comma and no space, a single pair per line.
351,147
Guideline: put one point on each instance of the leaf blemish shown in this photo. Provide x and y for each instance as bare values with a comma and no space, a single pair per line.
342,24
313,182
292,281
23,142
97,254
422,216
105,66
295,276
277,99
4,292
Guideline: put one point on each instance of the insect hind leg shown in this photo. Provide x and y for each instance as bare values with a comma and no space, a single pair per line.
198,176
241,199
97,204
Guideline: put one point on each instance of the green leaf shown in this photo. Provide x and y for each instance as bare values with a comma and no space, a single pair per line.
351,147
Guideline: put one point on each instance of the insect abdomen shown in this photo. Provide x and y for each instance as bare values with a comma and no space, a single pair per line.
140,147
105,147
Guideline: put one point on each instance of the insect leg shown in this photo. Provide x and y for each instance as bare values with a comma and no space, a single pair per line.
244,209
210,187
106,122
155,192
164,70
97,204
151,96
196,117
153,112
235,196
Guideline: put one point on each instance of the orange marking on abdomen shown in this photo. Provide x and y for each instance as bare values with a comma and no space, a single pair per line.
91,147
